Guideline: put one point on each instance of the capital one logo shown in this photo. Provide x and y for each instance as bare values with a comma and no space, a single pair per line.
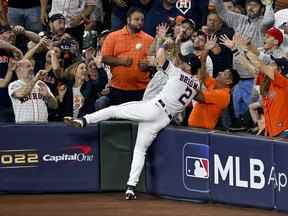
183,5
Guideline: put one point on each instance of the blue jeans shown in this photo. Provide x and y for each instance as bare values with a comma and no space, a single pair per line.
101,103
242,96
29,18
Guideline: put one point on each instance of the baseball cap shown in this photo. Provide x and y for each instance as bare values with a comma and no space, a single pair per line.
276,33
192,60
56,17
180,20
281,63
5,28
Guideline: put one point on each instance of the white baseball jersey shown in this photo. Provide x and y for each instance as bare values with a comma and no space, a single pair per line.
179,90
155,85
153,114
31,108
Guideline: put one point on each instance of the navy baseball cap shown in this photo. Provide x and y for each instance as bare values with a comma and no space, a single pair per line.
192,60
5,28
56,17
282,63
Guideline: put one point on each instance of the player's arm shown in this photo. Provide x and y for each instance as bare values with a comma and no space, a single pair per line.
26,89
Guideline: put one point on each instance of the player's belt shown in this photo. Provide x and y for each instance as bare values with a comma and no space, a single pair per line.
163,105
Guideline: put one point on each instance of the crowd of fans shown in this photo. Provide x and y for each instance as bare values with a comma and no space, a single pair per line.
72,57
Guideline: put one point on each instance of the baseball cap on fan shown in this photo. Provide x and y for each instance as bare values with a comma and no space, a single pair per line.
56,17
282,63
5,28
192,60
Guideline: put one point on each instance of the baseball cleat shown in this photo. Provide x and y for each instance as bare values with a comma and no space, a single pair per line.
73,122
130,194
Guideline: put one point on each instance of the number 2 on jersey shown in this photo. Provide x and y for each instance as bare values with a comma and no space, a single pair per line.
184,97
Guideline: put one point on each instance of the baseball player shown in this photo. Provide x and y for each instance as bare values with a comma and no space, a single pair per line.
154,114
29,94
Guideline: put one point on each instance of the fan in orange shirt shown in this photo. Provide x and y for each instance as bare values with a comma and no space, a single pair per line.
213,100
215,97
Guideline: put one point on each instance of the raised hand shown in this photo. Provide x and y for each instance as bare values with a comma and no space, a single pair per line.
17,54
43,89
98,59
12,64
240,41
41,74
224,40
211,43
161,30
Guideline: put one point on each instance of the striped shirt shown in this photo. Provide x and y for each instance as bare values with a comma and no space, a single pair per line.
252,29
69,8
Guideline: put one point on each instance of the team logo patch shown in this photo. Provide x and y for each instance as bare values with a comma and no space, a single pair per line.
183,5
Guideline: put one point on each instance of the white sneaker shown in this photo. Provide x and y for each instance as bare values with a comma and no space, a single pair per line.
129,194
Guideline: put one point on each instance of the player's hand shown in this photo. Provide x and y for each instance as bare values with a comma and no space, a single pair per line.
18,30
127,62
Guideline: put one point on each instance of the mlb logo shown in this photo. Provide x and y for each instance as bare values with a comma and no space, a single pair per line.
196,167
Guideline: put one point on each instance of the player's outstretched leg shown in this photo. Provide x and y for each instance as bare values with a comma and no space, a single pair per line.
75,122
130,193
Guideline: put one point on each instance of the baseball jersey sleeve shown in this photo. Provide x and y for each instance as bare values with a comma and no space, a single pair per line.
169,68
14,86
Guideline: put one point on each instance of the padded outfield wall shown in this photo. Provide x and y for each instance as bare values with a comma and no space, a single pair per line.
187,164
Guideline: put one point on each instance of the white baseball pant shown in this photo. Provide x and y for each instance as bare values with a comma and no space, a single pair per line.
151,117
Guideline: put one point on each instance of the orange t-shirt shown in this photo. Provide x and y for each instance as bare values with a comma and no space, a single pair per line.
122,44
275,105
206,115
